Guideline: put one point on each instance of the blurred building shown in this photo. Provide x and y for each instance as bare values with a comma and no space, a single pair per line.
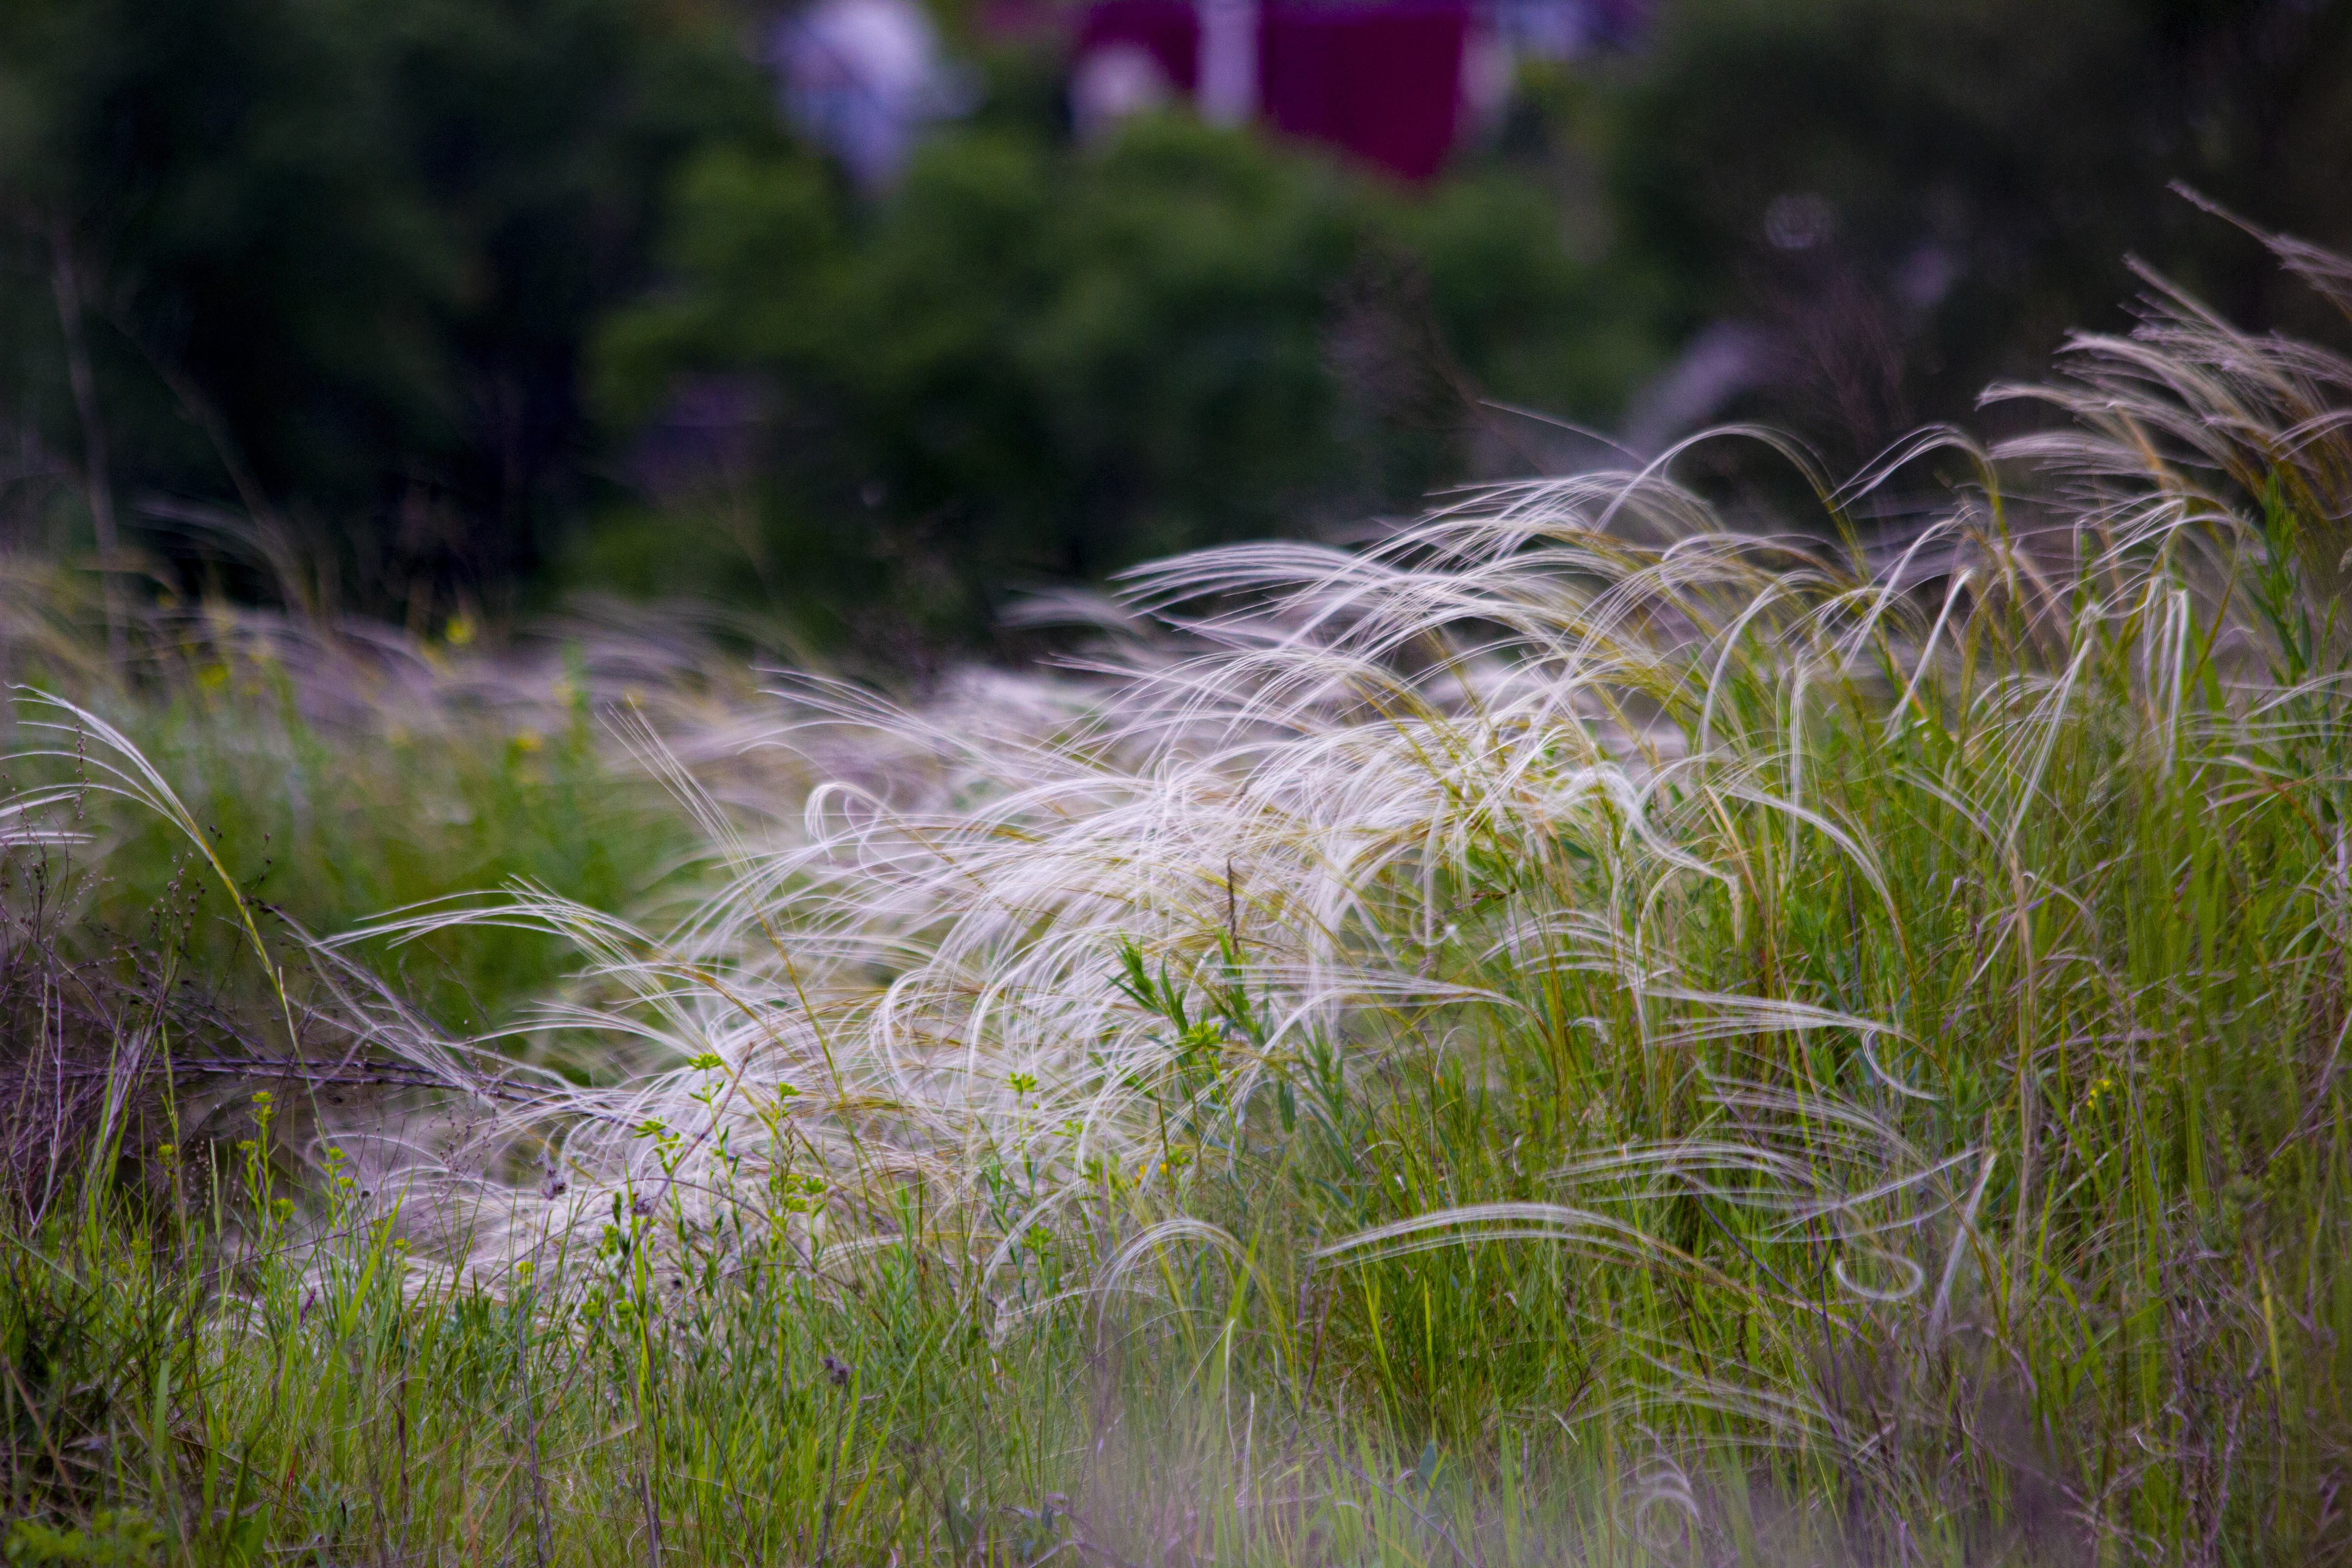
1398,83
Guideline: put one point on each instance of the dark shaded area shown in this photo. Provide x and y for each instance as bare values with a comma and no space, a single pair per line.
338,259
1906,201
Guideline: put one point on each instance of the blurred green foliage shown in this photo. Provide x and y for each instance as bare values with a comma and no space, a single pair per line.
337,256
1035,361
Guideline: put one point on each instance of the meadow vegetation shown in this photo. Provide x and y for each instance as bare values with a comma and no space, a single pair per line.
1588,1029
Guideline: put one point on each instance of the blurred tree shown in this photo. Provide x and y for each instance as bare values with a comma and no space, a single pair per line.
335,258
1907,198
1035,361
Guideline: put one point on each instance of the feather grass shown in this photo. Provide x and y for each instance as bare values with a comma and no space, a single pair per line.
1820,1044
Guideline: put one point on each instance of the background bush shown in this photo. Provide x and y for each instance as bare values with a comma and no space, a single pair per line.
1035,362
1959,182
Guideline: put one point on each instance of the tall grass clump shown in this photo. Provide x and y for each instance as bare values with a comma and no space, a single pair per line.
1574,1032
